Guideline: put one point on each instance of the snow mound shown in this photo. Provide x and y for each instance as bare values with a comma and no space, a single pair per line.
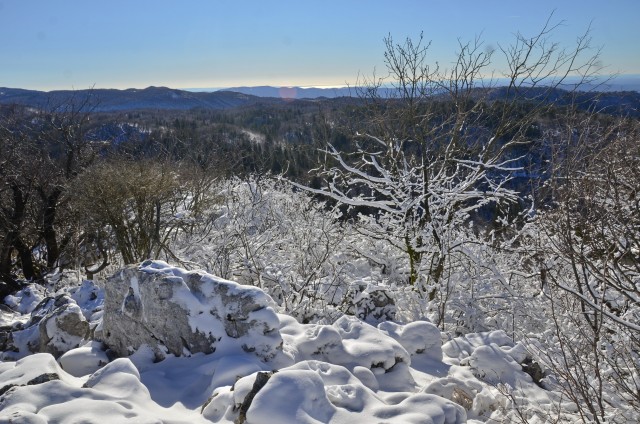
84,360
416,337
114,394
327,373
351,343
486,377
27,371
314,391
461,347
26,299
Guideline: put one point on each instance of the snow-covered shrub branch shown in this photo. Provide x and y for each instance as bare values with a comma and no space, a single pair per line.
262,233
435,148
589,240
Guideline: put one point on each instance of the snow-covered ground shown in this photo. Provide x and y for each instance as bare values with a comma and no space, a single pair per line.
345,371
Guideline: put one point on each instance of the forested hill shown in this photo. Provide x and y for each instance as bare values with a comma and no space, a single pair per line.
109,100
625,103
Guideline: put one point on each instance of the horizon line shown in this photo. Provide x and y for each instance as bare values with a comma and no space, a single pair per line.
304,87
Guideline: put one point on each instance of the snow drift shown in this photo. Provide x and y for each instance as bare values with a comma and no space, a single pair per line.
200,349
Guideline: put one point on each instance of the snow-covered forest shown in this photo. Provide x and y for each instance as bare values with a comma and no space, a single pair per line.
442,249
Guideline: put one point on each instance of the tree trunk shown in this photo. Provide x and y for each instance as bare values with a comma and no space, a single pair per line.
5,262
414,261
26,260
48,230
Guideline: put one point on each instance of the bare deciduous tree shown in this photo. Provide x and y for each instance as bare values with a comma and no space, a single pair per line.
591,248
438,144
136,203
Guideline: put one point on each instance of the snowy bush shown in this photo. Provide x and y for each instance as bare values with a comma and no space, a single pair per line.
266,235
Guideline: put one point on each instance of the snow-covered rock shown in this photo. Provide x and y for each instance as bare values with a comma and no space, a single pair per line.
462,347
486,377
493,365
419,337
353,344
55,325
370,303
90,298
84,360
179,312
26,299
64,328
315,391
348,342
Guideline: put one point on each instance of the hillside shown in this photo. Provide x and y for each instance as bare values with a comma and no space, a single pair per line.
110,100
626,103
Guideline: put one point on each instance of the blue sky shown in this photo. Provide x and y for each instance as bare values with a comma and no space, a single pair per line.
66,44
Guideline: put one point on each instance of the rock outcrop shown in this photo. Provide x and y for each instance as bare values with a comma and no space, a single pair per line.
62,329
55,326
179,312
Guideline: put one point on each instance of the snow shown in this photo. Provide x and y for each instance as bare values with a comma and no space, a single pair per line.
26,299
84,360
346,372
417,337
89,297
9,317
348,342
340,372
302,399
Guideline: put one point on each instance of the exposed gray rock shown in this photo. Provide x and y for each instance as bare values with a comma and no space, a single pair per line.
63,329
534,370
42,378
370,303
55,326
6,339
261,380
179,312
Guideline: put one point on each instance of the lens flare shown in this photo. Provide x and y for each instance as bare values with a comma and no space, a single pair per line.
288,93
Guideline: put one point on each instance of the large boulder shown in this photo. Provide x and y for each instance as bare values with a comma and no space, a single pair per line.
179,312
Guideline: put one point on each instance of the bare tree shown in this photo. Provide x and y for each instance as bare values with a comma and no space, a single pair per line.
437,144
591,239
17,193
43,151
135,203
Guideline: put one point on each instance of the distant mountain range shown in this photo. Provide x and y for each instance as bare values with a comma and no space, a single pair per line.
295,92
110,100
619,83
622,96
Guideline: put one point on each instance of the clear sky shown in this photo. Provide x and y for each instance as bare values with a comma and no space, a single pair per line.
64,44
